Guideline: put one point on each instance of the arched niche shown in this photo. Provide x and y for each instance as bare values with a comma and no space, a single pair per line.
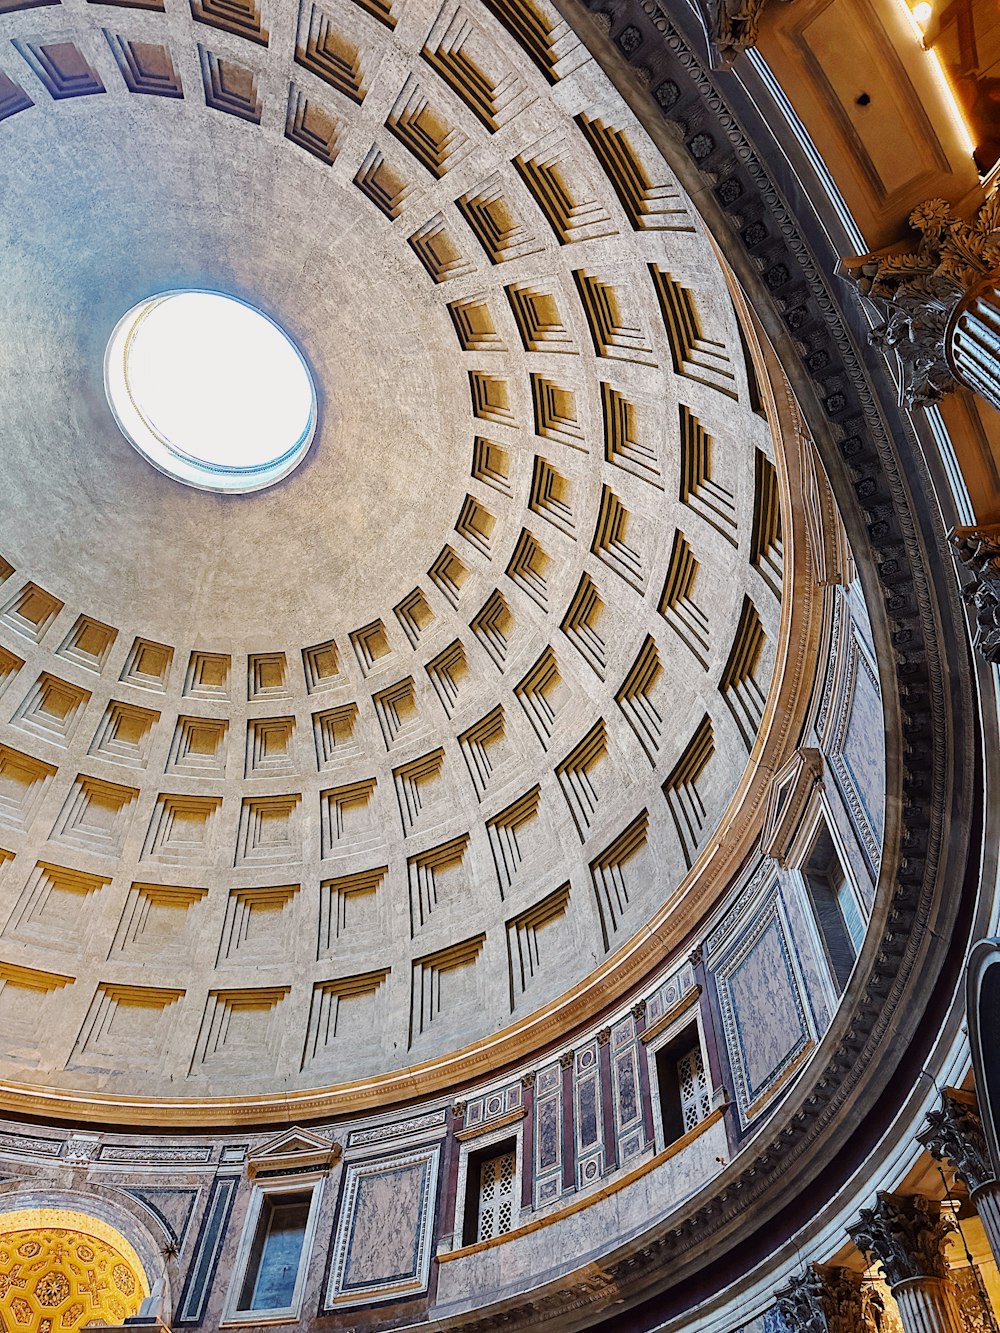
64,1269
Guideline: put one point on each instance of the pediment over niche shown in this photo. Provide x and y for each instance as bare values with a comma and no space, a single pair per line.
792,788
295,1149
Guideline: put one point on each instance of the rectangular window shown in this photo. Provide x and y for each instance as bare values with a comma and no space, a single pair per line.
685,1095
276,1253
839,914
491,1192
280,1226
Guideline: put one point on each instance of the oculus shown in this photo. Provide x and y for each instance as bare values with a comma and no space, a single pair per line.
210,390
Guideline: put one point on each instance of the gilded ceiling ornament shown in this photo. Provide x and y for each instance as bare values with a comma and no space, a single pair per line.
61,1276
906,1235
918,287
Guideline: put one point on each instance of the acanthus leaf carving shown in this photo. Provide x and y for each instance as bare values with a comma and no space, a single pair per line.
906,1235
917,289
801,1304
978,549
734,26
954,1133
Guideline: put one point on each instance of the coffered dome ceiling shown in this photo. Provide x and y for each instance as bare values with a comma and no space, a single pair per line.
309,785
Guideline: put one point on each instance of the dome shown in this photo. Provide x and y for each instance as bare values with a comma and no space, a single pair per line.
397,754
489,737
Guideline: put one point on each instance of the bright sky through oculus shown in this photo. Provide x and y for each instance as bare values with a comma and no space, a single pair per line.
210,390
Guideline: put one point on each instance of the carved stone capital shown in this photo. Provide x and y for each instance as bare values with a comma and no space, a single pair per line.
801,1305
733,26
954,1133
848,1303
906,1235
604,1036
528,1079
919,287
824,1299
639,1010
566,1060
978,549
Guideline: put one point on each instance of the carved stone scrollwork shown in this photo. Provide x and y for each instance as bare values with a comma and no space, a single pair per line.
827,1299
850,1304
978,549
801,1303
919,288
733,26
906,1235
955,1134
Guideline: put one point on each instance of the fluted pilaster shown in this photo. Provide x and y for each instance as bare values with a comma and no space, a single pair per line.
928,1305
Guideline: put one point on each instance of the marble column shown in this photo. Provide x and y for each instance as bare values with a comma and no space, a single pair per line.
973,341
954,1133
907,1236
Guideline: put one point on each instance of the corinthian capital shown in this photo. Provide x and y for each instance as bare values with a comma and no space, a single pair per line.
824,1299
978,549
919,286
801,1303
955,1134
905,1234
733,25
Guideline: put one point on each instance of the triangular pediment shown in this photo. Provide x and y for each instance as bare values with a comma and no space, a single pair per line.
293,1147
791,789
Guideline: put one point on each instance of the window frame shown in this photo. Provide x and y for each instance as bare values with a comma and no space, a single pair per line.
690,1017
473,1147
307,1183
820,820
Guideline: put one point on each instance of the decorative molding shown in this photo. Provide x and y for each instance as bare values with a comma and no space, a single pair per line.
382,1247
792,788
295,1150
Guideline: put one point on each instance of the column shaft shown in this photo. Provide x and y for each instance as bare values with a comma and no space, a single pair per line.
986,1201
928,1305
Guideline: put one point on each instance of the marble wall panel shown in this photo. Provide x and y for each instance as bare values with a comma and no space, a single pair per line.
382,1248
761,999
